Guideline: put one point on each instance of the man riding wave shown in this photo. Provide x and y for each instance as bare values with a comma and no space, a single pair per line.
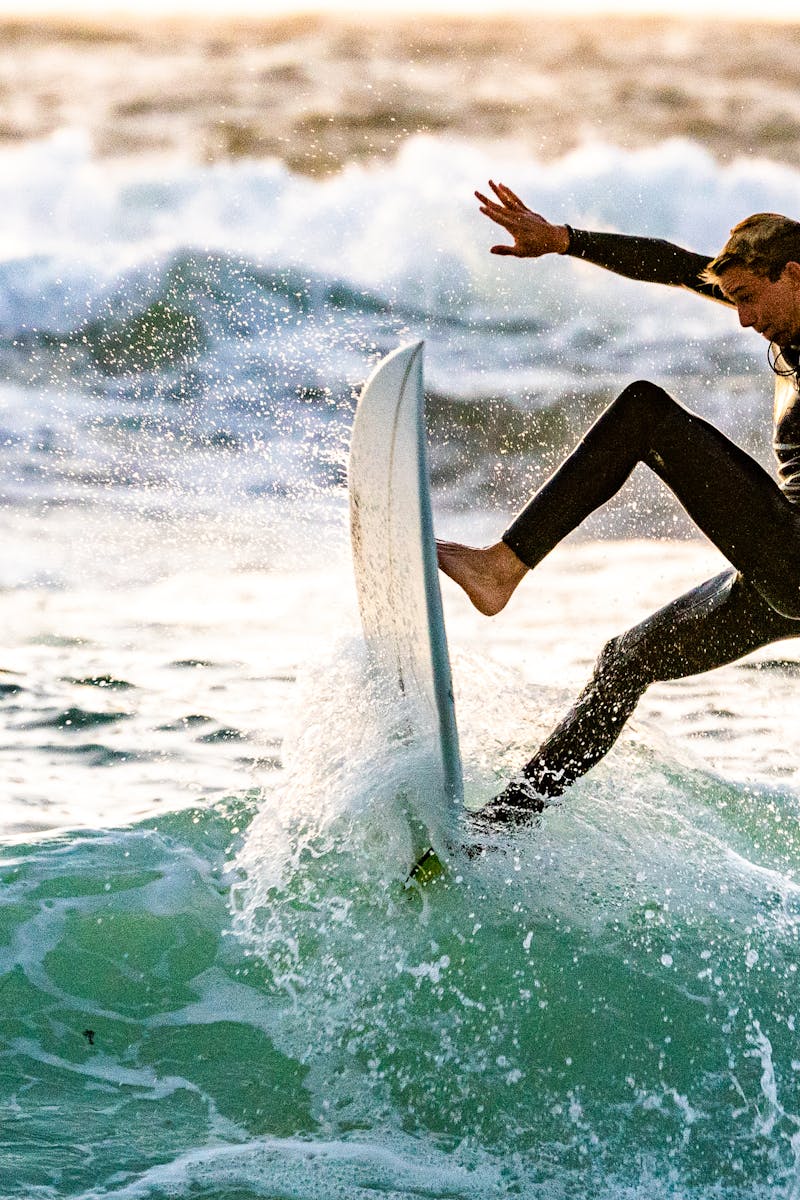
753,519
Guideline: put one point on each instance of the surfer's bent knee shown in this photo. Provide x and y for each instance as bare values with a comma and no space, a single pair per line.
645,398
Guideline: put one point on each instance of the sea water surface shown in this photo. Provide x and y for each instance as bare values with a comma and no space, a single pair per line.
214,980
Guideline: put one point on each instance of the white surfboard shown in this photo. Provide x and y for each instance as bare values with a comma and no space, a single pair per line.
394,558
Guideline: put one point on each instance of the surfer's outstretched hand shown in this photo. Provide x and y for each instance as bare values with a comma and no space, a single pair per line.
533,235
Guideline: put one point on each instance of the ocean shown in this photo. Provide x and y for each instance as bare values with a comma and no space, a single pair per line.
214,980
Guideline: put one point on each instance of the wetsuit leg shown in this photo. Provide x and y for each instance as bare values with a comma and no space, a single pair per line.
729,496
714,624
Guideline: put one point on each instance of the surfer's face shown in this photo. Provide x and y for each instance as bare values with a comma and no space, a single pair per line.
771,307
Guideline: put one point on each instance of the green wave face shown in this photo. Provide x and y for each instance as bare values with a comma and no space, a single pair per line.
608,1003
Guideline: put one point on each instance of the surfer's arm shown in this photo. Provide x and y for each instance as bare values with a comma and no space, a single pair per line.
650,260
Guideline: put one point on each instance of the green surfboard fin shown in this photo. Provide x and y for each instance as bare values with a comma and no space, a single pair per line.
427,868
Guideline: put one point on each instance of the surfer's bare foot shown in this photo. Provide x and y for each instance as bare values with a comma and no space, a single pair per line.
488,574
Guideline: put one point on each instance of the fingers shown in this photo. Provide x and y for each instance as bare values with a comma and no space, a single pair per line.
508,198
509,202
509,218
525,226
491,208
511,213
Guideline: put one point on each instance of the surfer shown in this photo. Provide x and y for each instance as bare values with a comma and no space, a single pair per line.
752,519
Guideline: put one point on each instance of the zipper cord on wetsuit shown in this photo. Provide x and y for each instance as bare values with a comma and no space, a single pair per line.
774,351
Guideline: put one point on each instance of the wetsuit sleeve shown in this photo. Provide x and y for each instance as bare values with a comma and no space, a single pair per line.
648,259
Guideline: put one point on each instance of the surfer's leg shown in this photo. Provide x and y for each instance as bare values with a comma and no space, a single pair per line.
714,624
730,497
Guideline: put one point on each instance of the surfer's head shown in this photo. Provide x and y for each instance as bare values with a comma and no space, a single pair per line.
763,244
758,269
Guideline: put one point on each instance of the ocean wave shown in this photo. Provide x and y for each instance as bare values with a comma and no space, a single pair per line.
245,994
232,308
356,1025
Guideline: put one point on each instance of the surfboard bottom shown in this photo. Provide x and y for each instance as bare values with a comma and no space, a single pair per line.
397,583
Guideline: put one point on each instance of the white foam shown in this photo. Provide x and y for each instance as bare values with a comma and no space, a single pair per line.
407,229
319,1170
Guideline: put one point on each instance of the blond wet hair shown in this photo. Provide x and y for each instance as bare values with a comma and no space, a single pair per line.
763,244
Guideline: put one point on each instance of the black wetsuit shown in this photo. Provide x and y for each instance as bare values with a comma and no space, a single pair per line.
753,520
